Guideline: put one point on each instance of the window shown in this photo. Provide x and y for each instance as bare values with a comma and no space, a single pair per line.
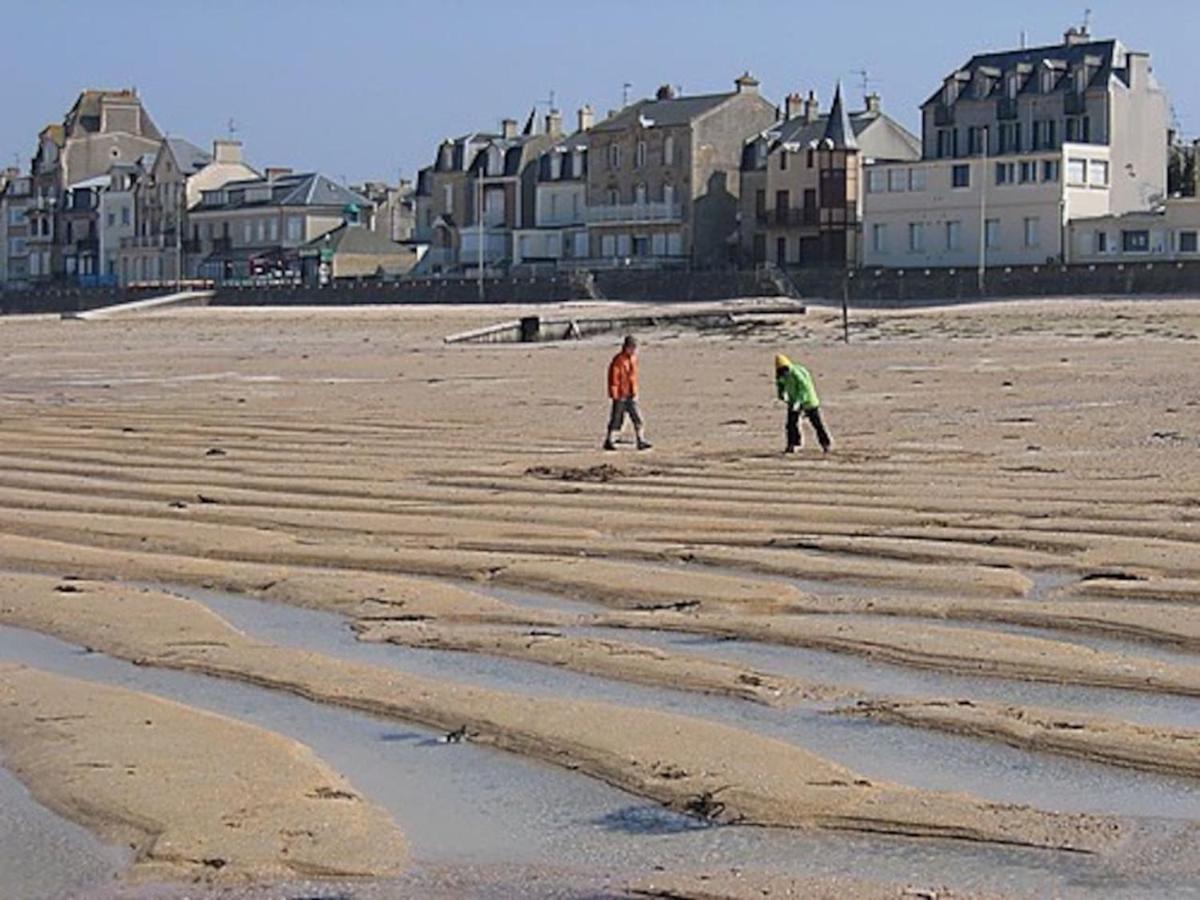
124,215
975,145
668,193
954,235
991,234
876,181
639,194
879,238
111,218
260,231
1101,241
1005,173
16,246
608,245
613,199
1076,172
916,237
916,179
448,199
897,180
1098,173
295,228
811,158
960,176
1027,172
760,204
16,215
1135,241
1050,170
1032,231
1187,242
783,156
247,232
669,150
614,156
639,155
272,230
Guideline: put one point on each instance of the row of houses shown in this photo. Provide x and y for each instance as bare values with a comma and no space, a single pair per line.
109,199
1048,154
1059,153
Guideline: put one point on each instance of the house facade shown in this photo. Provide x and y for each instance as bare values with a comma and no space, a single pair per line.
802,181
16,201
1016,145
559,235
663,177
252,230
103,128
165,246
1169,233
479,193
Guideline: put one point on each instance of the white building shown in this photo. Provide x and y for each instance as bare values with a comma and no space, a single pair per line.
116,217
931,213
1170,233
560,208
1068,131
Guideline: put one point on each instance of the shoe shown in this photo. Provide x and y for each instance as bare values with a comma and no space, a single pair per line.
790,448
644,445
609,445
825,448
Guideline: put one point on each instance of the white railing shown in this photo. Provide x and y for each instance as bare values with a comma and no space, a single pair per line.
635,212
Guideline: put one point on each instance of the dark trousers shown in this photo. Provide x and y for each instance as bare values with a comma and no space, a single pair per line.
813,415
620,409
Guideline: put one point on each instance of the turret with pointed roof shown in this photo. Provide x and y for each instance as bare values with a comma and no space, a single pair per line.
838,133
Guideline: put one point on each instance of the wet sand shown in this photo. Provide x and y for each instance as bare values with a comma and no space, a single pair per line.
1010,484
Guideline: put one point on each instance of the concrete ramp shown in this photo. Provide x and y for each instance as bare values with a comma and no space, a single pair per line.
150,304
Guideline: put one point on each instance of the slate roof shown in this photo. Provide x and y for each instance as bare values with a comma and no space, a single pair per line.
347,238
305,189
189,158
1064,57
838,131
672,111
803,133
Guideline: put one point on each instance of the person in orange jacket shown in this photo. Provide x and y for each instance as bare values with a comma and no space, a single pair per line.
622,390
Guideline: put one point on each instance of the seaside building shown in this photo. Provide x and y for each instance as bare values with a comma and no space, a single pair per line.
102,128
16,200
802,181
166,245
1168,233
663,177
1016,145
480,191
253,229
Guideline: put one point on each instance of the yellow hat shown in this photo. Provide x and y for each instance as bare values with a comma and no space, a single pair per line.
781,361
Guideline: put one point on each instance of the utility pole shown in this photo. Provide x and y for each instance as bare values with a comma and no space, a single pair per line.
983,215
479,227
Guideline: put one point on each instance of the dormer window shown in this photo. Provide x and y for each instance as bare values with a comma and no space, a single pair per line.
1013,87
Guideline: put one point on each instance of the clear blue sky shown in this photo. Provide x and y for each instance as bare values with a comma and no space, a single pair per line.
366,88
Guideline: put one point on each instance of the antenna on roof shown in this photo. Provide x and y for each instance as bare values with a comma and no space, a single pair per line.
1024,39
551,100
625,94
232,128
865,81
1087,21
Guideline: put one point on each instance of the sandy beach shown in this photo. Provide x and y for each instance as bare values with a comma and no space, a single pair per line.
958,655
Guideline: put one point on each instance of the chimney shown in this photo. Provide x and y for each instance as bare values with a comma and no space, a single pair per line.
793,106
226,151
273,172
587,117
874,105
554,123
508,128
746,84
664,92
1137,65
811,107
1074,36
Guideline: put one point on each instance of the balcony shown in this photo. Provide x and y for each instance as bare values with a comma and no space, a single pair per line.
634,213
783,218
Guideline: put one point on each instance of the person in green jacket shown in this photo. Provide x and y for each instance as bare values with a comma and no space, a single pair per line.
794,385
